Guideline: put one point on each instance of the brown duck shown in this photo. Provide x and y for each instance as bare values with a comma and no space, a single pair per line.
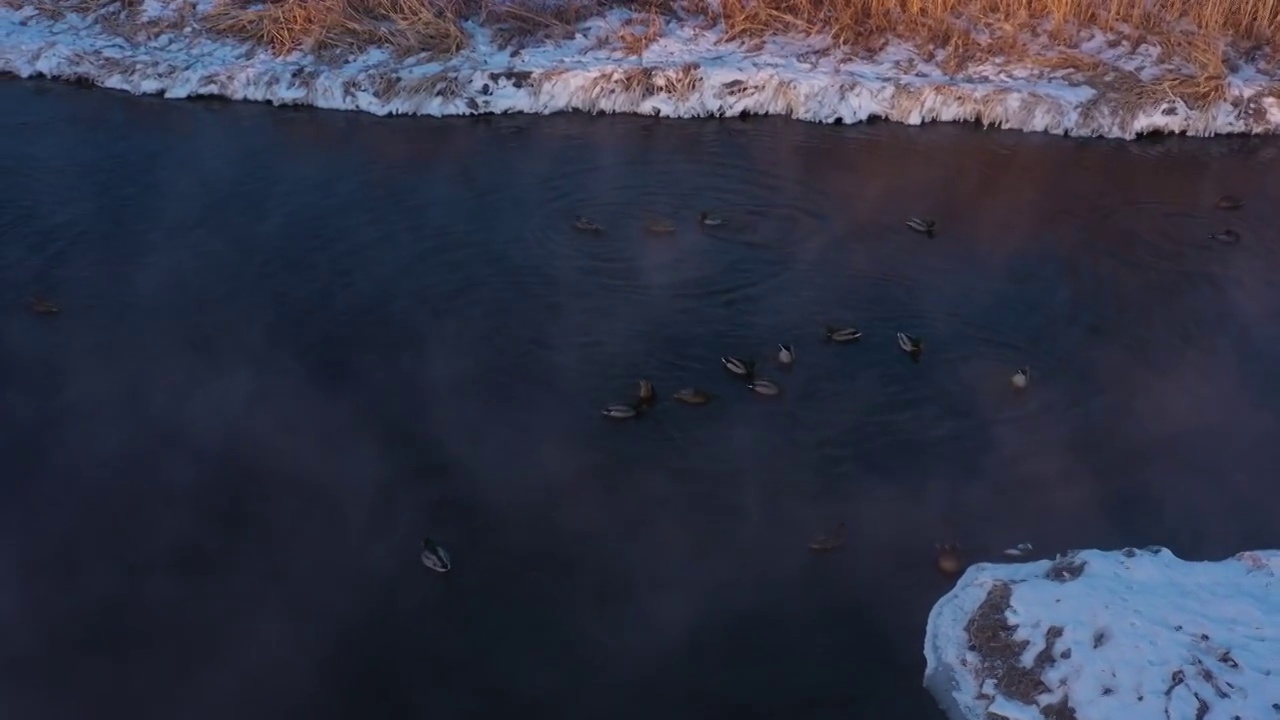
949,560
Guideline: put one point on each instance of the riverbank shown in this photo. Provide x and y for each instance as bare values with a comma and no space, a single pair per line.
1136,634
688,60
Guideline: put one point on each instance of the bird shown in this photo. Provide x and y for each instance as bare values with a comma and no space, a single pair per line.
738,366
843,335
764,387
829,541
692,396
435,557
645,394
920,225
1228,236
41,306
910,345
660,226
786,354
1018,550
620,411
1021,378
707,218
948,558
587,225
1229,202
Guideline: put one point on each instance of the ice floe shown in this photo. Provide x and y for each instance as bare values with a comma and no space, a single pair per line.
1127,635
688,71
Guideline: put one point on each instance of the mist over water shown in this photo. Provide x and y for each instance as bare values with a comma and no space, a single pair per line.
295,342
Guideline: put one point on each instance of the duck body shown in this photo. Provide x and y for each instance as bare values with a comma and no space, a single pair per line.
948,559
710,220
1018,550
620,411
764,387
1229,202
739,367
830,541
586,224
922,225
843,335
692,396
645,394
661,227
1021,378
41,306
435,557
910,344
1227,237
786,354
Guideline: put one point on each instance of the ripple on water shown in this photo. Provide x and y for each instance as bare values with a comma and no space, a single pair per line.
1162,237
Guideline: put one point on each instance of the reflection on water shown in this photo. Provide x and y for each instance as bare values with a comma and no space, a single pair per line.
293,343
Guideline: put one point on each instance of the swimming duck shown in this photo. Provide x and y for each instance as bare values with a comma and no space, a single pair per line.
707,218
435,557
910,344
922,225
1021,378
645,393
786,354
620,411
1228,236
1018,550
949,561
587,225
660,226
692,396
41,306
1229,202
738,366
829,541
843,335
764,387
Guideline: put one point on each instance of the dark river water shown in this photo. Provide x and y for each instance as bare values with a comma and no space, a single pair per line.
292,343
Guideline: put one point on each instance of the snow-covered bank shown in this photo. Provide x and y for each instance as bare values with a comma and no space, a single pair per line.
1129,635
688,71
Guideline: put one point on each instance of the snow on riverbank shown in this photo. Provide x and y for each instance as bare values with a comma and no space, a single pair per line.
687,72
1131,635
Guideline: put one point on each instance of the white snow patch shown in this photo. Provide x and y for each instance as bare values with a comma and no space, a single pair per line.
1138,635
690,71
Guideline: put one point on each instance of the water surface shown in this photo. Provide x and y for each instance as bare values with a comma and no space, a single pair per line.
294,342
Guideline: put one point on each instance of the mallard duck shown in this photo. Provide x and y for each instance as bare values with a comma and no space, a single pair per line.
692,396
786,354
910,344
738,366
587,225
645,393
660,226
707,218
1018,550
764,387
435,557
948,558
1021,378
1229,202
41,306
922,225
843,335
620,411
829,541
1228,236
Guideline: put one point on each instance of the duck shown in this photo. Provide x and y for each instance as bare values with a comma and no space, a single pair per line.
587,225
843,335
1228,236
1018,550
1021,378
692,396
738,366
41,306
922,225
1229,202
645,394
829,541
948,558
435,557
786,354
660,226
910,344
621,411
708,219
764,387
